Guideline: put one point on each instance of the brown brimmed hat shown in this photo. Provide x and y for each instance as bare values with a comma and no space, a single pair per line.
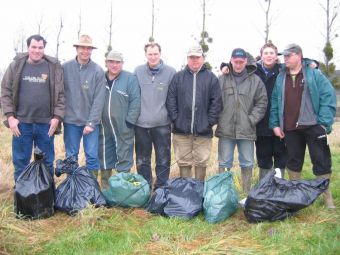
84,40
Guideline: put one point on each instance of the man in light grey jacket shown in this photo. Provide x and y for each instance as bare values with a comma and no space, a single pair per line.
244,105
153,125
85,93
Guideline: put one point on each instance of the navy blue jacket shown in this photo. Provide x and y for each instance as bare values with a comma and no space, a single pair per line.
194,115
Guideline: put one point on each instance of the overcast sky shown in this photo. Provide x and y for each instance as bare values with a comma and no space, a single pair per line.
230,23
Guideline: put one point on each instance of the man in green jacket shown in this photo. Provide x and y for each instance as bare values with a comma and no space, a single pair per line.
302,112
244,105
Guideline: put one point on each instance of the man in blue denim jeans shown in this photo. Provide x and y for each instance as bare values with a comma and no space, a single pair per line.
85,93
32,99
244,105
153,124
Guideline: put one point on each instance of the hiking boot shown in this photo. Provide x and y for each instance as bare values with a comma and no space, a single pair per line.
185,171
200,172
327,195
246,174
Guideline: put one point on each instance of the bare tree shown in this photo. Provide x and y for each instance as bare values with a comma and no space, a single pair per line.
109,47
58,36
151,38
39,24
266,9
19,44
331,9
79,24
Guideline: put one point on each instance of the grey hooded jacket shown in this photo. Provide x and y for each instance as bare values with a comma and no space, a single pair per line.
244,105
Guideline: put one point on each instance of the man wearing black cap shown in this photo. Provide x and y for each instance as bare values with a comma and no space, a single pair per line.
244,105
302,111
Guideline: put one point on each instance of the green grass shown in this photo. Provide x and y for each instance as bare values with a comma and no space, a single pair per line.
314,230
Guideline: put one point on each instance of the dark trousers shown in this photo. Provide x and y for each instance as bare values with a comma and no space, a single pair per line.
316,139
160,138
269,150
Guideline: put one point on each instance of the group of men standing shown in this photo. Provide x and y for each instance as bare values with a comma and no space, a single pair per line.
111,111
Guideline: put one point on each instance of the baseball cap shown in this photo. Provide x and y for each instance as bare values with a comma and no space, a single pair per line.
291,48
195,51
239,53
114,55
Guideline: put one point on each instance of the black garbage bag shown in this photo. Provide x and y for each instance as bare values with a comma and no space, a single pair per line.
180,197
275,199
79,189
35,190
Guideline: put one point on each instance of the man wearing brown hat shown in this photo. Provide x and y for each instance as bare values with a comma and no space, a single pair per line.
302,112
121,111
194,103
85,92
244,104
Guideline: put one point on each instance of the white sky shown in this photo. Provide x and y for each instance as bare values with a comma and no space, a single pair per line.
230,23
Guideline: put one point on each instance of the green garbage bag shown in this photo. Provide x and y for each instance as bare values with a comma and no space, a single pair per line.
220,197
127,190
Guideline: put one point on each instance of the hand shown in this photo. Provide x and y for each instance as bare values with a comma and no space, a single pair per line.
87,130
313,65
53,126
278,132
225,70
13,125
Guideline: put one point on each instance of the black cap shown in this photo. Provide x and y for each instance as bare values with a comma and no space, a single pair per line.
238,53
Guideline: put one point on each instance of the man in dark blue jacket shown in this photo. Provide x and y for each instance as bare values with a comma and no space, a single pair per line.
194,103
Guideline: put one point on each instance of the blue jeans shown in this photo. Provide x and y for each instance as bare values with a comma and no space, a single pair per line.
160,137
72,137
226,147
32,135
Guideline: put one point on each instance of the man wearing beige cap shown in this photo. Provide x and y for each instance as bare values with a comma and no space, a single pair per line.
121,110
84,92
194,103
302,112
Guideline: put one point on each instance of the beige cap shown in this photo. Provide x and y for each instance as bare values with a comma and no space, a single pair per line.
86,41
195,51
115,55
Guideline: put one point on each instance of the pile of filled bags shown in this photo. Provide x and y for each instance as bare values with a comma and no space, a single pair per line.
273,198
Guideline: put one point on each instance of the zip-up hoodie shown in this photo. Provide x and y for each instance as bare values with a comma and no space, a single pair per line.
194,102
84,92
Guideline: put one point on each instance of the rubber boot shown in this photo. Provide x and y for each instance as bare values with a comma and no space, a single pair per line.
200,172
293,176
246,174
105,175
221,170
264,172
327,195
185,171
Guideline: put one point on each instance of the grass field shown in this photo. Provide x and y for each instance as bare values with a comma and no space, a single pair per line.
315,230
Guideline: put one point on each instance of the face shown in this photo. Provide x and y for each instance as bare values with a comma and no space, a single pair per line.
195,62
239,64
153,56
83,54
114,67
36,51
269,57
292,60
